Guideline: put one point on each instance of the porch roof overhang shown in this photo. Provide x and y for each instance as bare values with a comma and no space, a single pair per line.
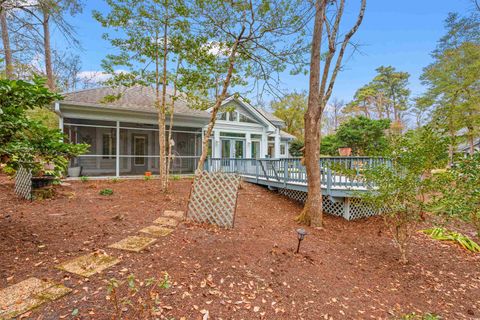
70,109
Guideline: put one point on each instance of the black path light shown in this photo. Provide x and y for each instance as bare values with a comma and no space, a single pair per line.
301,233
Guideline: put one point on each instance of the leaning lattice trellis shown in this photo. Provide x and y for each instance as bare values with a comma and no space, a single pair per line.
214,198
23,183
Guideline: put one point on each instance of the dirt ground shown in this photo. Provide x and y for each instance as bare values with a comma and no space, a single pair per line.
348,270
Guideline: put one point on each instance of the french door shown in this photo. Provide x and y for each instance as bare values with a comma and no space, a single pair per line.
233,148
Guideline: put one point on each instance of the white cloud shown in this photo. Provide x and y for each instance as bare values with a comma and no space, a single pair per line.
95,76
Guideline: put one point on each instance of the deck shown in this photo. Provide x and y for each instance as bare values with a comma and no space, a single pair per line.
340,191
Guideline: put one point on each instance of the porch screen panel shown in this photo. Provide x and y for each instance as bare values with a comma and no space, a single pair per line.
100,157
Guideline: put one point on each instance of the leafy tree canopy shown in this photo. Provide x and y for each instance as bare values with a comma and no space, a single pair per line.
365,136
291,109
25,141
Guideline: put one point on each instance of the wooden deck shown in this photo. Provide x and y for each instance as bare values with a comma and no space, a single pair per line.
290,174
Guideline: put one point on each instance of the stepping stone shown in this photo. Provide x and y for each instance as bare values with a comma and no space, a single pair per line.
174,214
133,243
89,264
27,295
167,222
157,231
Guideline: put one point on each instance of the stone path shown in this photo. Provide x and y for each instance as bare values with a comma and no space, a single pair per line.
89,264
133,243
157,231
27,295
32,292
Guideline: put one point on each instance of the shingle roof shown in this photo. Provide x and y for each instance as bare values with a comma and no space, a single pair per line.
136,98
269,116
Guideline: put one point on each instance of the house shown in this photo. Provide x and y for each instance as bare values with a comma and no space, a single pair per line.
464,148
123,133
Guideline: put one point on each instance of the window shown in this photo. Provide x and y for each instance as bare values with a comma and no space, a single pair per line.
256,136
283,149
233,116
244,118
255,149
109,146
222,116
209,152
232,134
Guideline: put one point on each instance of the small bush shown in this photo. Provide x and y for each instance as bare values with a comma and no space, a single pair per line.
426,316
147,178
83,178
176,177
114,180
106,192
141,299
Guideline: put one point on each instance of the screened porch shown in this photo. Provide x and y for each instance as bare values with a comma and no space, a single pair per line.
123,148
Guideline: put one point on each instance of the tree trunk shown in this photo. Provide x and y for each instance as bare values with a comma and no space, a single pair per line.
163,108
6,44
312,212
471,144
170,125
48,50
218,102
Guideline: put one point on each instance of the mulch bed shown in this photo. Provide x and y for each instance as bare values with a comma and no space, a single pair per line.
348,270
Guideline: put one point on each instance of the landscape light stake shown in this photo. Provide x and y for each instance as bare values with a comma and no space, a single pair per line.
301,233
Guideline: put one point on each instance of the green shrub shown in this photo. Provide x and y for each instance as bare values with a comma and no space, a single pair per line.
147,178
106,192
295,148
84,178
400,189
114,180
459,190
176,177
27,142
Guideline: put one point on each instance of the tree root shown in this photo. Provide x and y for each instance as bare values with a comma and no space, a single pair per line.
304,217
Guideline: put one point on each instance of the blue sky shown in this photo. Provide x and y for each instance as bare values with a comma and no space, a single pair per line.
398,33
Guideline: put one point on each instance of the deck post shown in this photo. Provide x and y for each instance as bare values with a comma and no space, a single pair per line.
117,148
256,169
346,208
285,172
329,181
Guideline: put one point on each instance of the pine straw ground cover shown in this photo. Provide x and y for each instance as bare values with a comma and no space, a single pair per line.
348,270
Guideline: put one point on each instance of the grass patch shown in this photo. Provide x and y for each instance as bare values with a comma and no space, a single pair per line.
106,192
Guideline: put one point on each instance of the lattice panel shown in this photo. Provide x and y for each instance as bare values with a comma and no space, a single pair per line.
349,208
299,196
358,209
214,198
334,208
23,183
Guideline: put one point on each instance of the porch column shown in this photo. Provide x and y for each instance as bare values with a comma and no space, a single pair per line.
248,151
216,147
60,123
277,144
264,146
117,148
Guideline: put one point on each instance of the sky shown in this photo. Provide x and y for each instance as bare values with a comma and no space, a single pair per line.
400,33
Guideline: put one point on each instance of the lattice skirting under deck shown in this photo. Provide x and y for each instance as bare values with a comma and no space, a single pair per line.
349,208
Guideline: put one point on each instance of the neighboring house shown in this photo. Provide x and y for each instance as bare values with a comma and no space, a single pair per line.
123,134
465,147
